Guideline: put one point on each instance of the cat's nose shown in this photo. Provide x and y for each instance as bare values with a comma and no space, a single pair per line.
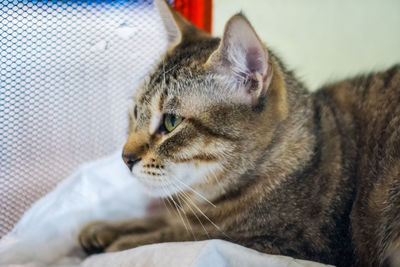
130,160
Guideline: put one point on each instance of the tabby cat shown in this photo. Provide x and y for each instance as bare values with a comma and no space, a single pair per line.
243,152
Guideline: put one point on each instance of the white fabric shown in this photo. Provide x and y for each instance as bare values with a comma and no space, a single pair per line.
199,254
103,189
47,233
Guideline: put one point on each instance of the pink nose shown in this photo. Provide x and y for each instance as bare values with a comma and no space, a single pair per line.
130,160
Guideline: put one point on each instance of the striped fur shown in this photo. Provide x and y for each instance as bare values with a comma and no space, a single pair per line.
309,175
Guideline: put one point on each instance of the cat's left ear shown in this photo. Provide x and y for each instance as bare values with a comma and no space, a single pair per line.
243,58
177,27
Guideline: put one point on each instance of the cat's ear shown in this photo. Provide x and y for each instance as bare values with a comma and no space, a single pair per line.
243,58
176,26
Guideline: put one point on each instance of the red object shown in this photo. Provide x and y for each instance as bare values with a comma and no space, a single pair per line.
198,12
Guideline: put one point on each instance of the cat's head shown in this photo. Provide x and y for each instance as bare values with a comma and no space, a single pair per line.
205,112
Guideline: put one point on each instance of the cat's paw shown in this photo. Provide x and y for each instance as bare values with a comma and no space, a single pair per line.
97,236
120,245
128,242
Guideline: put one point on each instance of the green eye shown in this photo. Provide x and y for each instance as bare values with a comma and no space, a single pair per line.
171,122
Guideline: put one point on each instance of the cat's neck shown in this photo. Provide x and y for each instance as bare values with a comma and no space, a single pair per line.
271,157
291,147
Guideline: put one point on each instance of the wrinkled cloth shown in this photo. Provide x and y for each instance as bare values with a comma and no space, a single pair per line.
47,233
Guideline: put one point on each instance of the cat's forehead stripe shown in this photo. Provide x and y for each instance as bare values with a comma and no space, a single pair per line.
176,65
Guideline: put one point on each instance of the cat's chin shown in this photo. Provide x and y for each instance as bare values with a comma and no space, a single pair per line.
163,186
159,189
176,178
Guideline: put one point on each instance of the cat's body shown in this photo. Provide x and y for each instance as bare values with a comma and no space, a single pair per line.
370,105
313,176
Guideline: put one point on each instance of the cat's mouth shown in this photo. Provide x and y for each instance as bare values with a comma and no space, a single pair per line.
178,177
159,185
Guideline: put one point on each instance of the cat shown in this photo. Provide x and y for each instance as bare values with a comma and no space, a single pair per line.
243,152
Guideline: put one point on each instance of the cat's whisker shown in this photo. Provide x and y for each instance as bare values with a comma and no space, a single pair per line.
165,204
184,194
194,213
169,202
176,207
182,209
202,213
184,212
180,206
172,68
191,189
163,200
180,215
215,176
194,191
194,204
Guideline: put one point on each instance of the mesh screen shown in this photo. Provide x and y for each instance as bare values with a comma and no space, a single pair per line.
67,72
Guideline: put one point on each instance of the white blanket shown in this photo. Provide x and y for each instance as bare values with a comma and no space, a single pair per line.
47,233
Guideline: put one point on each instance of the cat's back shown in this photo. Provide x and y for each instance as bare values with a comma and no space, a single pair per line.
371,104
369,107
367,97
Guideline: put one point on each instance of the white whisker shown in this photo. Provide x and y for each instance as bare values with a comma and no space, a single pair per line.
194,204
205,216
170,204
172,68
218,182
165,204
194,213
176,207
180,215
202,213
194,191
183,210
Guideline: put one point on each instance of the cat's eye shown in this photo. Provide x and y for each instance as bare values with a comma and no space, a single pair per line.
171,121
135,111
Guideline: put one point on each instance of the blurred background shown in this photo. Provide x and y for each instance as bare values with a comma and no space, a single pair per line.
68,70
323,40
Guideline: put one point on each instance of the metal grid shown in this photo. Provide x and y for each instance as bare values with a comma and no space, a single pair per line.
67,72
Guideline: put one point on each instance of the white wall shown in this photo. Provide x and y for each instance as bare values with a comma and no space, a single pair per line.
323,40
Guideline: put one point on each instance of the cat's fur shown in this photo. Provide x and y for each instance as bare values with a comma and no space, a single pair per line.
313,176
